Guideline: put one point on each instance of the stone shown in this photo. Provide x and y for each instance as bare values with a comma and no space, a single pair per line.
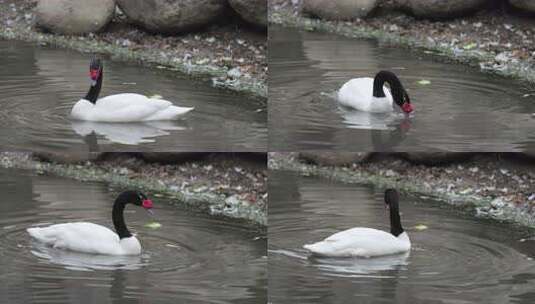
339,9
172,16
436,158
527,5
69,157
171,157
442,8
74,17
253,11
334,158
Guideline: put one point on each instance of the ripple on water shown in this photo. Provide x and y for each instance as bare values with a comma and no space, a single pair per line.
39,86
191,258
457,259
461,108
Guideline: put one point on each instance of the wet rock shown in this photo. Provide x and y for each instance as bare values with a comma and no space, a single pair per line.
253,11
74,17
67,157
436,158
175,16
171,157
339,9
334,158
442,8
527,5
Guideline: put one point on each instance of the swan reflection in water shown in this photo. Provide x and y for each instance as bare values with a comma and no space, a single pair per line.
126,133
87,262
388,130
351,267
361,266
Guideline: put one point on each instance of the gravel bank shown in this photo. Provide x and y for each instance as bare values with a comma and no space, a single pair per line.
490,185
230,55
221,185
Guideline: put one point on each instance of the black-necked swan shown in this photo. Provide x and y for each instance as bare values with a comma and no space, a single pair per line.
126,107
367,242
96,239
371,95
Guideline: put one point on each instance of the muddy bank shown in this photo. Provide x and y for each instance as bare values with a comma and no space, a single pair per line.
230,56
494,39
219,184
489,185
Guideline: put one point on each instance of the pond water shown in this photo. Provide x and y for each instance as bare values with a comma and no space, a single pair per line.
192,258
458,259
40,85
461,109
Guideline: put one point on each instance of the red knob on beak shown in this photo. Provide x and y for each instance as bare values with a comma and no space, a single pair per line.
407,108
147,204
93,74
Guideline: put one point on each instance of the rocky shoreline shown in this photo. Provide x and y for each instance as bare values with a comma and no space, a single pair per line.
223,184
231,56
494,39
500,186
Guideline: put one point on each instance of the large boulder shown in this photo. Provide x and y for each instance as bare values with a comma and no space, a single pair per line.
172,16
339,9
442,8
253,11
527,5
334,158
74,16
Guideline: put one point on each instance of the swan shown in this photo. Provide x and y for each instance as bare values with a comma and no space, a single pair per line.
367,242
96,239
370,94
126,107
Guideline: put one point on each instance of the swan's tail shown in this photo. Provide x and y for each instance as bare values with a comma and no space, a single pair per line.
170,113
319,248
42,234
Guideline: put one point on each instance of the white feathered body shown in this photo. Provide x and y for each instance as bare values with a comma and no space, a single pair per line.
127,107
361,242
358,94
87,238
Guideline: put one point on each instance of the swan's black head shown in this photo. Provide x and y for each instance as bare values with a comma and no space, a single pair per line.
127,197
135,197
392,203
95,69
399,94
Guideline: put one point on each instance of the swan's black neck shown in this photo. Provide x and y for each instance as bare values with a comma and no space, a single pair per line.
396,88
94,90
395,221
118,217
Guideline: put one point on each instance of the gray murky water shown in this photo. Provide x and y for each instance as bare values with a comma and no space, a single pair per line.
40,85
462,109
458,259
192,258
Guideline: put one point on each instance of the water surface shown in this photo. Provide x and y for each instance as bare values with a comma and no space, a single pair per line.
40,85
192,258
458,259
461,109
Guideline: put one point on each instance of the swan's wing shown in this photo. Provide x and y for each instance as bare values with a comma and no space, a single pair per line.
83,237
127,107
357,93
364,242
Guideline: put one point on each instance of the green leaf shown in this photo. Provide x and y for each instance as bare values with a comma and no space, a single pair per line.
470,46
420,227
424,82
153,225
